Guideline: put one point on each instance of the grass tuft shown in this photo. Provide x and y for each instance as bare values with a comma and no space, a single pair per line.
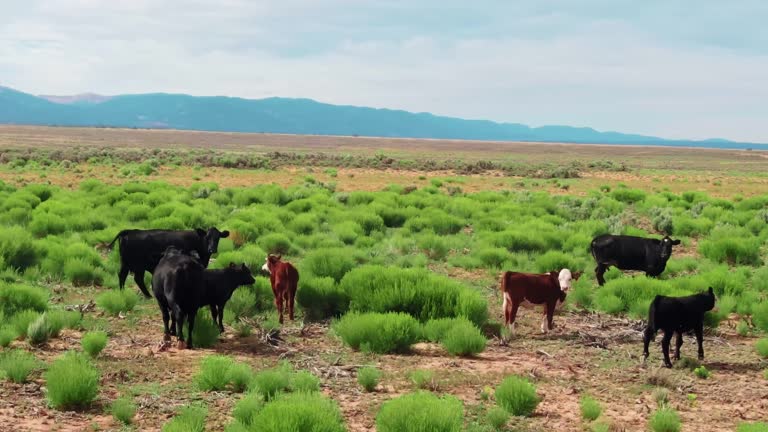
517,395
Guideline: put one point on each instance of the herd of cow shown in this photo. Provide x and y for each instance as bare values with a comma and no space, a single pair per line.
182,283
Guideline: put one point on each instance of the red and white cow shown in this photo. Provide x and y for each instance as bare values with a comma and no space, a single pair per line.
548,289
285,280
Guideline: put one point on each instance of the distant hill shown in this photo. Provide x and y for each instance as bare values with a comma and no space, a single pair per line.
293,116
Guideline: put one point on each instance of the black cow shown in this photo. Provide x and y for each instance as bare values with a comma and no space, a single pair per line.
141,250
178,283
677,315
219,286
631,253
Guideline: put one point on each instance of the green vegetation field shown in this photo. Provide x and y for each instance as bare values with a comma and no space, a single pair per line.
399,309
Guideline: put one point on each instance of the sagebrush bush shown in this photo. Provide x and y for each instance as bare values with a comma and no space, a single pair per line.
424,379
7,335
752,427
304,381
368,378
16,298
81,273
321,297
189,419
664,420
94,342
71,381
418,292
38,331
590,408
333,263
60,319
760,316
22,320
270,382
246,408
115,301
214,373
463,339
434,330
298,412
517,395
17,365
497,417
206,332
661,396
239,376
761,347
123,410
378,332
421,412
732,250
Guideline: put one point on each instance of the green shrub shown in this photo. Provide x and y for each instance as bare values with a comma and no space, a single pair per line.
240,376
418,292
760,316
702,372
434,330
270,382
15,298
299,412
433,246
629,196
590,408
321,298
368,378
94,342
115,301
17,365
189,419
214,373
377,332
7,335
665,420
762,347
206,332
661,396
80,272
246,408
275,243
497,418
60,319
333,263
732,250
304,381
752,427
517,395
424,379
123,410
38,331
556,261
421,412
22,320
492,257
72,381
464,339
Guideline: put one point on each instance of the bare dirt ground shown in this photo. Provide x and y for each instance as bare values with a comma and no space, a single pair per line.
587,353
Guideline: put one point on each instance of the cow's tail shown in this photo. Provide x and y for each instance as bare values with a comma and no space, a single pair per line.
119,235
503,285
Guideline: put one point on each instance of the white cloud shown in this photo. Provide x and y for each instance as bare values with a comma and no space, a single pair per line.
522,63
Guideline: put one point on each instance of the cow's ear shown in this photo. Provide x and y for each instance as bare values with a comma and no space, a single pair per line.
200,232
225,233
279,257
576,275
675,242
711,291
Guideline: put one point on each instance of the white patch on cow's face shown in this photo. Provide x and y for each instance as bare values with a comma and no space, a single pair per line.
265,267
565,277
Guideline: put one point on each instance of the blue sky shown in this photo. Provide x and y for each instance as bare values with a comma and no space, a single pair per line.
677,69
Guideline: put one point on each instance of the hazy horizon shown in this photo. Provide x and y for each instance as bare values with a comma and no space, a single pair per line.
689,70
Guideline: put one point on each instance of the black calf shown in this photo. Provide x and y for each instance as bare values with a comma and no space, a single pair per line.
219,286
677,315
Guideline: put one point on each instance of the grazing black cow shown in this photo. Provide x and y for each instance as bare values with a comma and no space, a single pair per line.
677,315
631,253
219,286
141,250
178,283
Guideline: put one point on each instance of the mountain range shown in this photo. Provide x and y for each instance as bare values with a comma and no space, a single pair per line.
293,116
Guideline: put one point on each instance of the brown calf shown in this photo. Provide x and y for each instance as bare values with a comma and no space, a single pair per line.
285,280
545,289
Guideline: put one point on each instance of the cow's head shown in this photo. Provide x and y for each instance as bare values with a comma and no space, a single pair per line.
242,273
211,238
270,262
565,279
666,247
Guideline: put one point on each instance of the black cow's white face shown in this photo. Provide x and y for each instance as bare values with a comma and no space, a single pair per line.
212,238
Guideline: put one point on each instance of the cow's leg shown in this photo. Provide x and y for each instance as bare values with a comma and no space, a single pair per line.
178,316
220,310
678,344
216,314
699,330
513,316
166,317
551,315
138,276
190,327
599,272
122,275
291,301
279,305
648,335
665,347
173,322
